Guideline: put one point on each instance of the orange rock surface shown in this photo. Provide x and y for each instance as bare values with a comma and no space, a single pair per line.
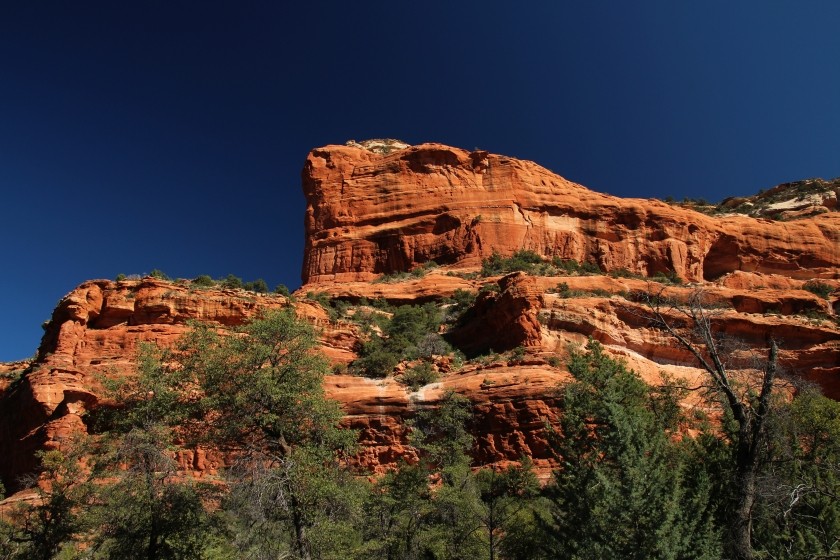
371,213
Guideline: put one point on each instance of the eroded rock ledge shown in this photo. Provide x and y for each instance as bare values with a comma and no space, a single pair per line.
371,212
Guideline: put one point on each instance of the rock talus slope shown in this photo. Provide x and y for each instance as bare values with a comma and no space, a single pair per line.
387,207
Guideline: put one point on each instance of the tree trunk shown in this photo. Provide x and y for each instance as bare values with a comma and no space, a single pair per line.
300,531
742,520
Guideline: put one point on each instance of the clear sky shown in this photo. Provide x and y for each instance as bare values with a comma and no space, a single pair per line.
170,134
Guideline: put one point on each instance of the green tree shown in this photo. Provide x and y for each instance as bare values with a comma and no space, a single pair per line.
144,507
406,336
622,488
798,514
259,285
263,392
401,511
748,406
442,433
203,281
40,530
231,281
148,513
159,274
503,497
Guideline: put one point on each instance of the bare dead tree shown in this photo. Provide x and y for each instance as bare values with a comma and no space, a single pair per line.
693,325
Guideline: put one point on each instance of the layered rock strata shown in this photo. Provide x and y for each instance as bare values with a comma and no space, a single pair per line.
370,212
384,207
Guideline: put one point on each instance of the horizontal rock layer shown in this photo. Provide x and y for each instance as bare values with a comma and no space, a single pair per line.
370,213
390,209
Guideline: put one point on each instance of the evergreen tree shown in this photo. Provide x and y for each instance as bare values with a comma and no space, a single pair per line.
145,508
263,399
621,491
798,514
401,511
43,528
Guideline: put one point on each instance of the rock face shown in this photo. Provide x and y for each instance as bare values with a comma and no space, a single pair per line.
382,207
370,212
502,320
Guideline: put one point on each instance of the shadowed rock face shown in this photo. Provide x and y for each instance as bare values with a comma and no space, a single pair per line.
370,213
384,207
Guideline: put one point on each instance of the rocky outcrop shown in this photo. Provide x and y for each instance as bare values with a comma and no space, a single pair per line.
503,320
383,207
95,333
370,212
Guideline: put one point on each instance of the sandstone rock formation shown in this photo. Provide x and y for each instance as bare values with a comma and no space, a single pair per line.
383,207
370,212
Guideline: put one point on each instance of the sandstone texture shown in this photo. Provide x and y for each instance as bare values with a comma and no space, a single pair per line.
370,212
382,207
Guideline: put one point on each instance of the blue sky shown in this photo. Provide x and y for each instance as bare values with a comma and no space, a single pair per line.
171,134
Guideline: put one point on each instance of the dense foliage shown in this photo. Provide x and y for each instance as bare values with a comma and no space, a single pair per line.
630,484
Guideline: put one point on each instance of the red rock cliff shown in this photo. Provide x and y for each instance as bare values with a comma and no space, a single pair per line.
371,212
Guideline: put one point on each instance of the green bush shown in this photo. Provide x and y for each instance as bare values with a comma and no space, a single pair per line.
405,336
522,260
257,285
818,288
669,277
419,375
417,272
120,277
490,287
159,274
624,273
231,282
321,298
376,360
203,281
573,267
532,263
283,290
460,304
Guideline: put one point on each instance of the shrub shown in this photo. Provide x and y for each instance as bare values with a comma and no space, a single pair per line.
203,281
337,309
420,271
257,285
517,354
573,267
120,277
624,273
563,290
417,272
489,287
669,277
405,336
231,282
419,375
432,345
599,292
460,304
159,274
376,360
522,260
283,290
818,288
321,298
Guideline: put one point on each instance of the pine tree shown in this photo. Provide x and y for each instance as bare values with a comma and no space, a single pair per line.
621,491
